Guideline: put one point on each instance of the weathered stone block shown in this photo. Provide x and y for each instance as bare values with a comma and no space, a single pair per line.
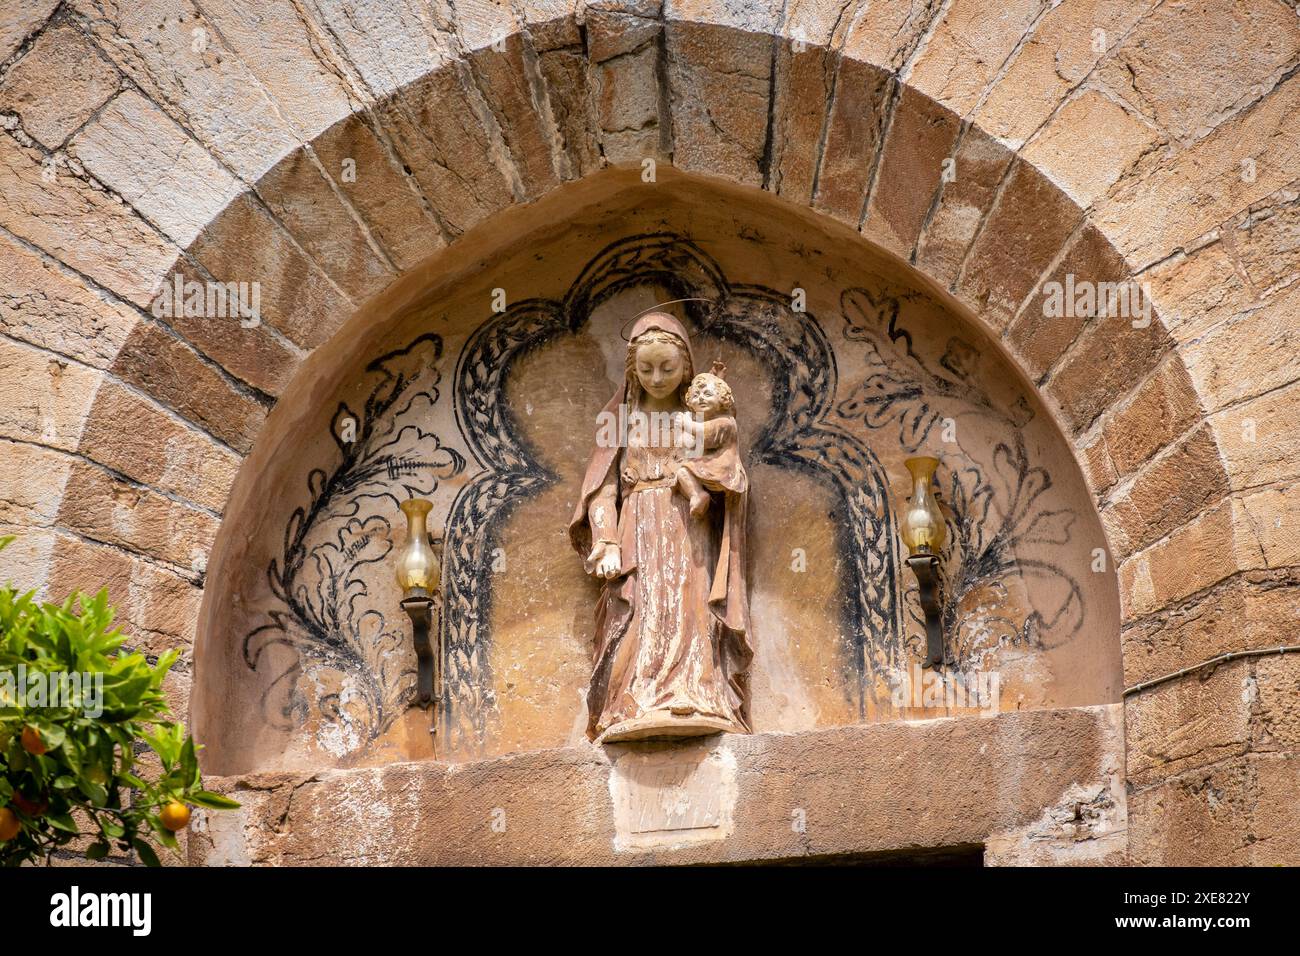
1259,439
854,128
256,354
1089,145
99,506
968,49
720,84
1246,158
782,806
168,370
246,245
512,87
44,398
389,45
374,182
179,60
437,127
805,80
1049,323
295,60
25,563
1189,80
1167,492
979,163
1267,241
69,218
1108,361
46,305
31,483
626,92
1188,722
137,151
22,18
140,440
301,196
1197,289
1097,466
1249,610
921,137
1277,724
1023,234
1163,408
1201,817
57,85
1059,53
1249,354
568,91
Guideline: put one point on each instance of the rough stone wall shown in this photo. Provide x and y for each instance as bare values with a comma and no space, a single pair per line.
1098,138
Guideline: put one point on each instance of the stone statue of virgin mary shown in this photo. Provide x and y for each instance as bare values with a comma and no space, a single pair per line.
672,646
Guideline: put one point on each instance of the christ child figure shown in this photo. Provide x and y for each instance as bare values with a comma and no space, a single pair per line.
710,440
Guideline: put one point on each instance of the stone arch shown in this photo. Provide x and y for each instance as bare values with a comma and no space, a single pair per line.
840,120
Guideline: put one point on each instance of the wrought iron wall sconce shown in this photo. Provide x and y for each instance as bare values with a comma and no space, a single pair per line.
924,530
419,572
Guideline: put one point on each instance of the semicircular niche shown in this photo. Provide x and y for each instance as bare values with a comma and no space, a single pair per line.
477,386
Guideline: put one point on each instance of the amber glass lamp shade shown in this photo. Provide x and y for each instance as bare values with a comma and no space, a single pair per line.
923,525
417,565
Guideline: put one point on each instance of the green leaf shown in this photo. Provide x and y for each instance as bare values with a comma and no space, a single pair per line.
52,735
189,764
97,851
212,801
63,822
147,856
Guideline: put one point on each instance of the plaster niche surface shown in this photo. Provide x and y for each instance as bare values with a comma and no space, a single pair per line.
475,382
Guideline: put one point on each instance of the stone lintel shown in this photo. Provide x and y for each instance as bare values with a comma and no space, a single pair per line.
887,789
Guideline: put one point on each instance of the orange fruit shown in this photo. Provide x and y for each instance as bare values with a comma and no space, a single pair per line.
33,808
32,742
175,816
9,825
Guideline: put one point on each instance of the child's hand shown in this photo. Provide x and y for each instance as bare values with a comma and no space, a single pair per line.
686,434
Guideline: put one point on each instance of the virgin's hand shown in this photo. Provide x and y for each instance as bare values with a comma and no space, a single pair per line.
607,566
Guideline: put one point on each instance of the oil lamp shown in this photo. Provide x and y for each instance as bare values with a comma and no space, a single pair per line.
924,530
420,575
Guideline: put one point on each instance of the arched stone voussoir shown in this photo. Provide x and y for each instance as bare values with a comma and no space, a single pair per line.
370,175
297,299
301,193
718,65
444,146
1023,232
506,76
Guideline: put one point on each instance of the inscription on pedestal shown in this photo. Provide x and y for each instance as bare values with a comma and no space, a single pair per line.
673,797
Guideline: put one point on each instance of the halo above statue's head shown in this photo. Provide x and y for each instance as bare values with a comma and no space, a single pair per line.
654,310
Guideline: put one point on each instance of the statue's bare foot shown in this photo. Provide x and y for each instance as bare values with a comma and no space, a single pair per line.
699,504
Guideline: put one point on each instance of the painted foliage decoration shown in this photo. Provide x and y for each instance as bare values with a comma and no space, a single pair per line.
353,667
346,646
993,507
